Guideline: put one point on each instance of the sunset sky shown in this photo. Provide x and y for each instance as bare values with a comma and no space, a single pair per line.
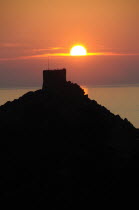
32,29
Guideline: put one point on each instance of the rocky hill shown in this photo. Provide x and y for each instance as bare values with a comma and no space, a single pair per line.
58,147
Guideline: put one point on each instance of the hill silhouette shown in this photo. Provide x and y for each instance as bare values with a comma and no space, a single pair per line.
60,148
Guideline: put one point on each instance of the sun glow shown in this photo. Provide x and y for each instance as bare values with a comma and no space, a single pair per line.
78,51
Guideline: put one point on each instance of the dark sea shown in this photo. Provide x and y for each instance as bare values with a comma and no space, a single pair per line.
122,100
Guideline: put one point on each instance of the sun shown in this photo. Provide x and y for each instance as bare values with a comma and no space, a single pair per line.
78,50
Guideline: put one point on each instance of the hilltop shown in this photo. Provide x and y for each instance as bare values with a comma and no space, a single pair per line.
60,147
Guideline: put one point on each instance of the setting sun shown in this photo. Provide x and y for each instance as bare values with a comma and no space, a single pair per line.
78,51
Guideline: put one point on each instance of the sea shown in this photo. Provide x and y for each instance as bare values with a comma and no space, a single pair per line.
121,100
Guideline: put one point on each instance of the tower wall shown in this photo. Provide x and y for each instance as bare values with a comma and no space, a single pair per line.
54,78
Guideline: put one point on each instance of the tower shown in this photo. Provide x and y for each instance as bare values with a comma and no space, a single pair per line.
54,78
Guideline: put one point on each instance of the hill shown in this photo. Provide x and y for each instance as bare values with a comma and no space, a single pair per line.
59,147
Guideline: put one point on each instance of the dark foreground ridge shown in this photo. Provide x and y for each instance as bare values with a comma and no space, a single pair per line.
60,148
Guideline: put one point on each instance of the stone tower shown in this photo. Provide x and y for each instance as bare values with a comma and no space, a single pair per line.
54,78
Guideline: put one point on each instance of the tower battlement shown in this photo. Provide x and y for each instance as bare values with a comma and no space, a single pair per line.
54,78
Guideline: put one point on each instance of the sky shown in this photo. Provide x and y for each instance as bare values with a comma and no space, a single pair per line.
31,30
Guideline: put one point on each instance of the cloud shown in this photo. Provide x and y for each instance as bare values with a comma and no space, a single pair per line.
41,56
112,54
47,49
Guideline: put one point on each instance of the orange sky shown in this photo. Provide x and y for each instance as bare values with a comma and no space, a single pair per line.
30,29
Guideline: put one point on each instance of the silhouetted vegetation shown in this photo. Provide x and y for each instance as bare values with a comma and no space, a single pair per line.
60,148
